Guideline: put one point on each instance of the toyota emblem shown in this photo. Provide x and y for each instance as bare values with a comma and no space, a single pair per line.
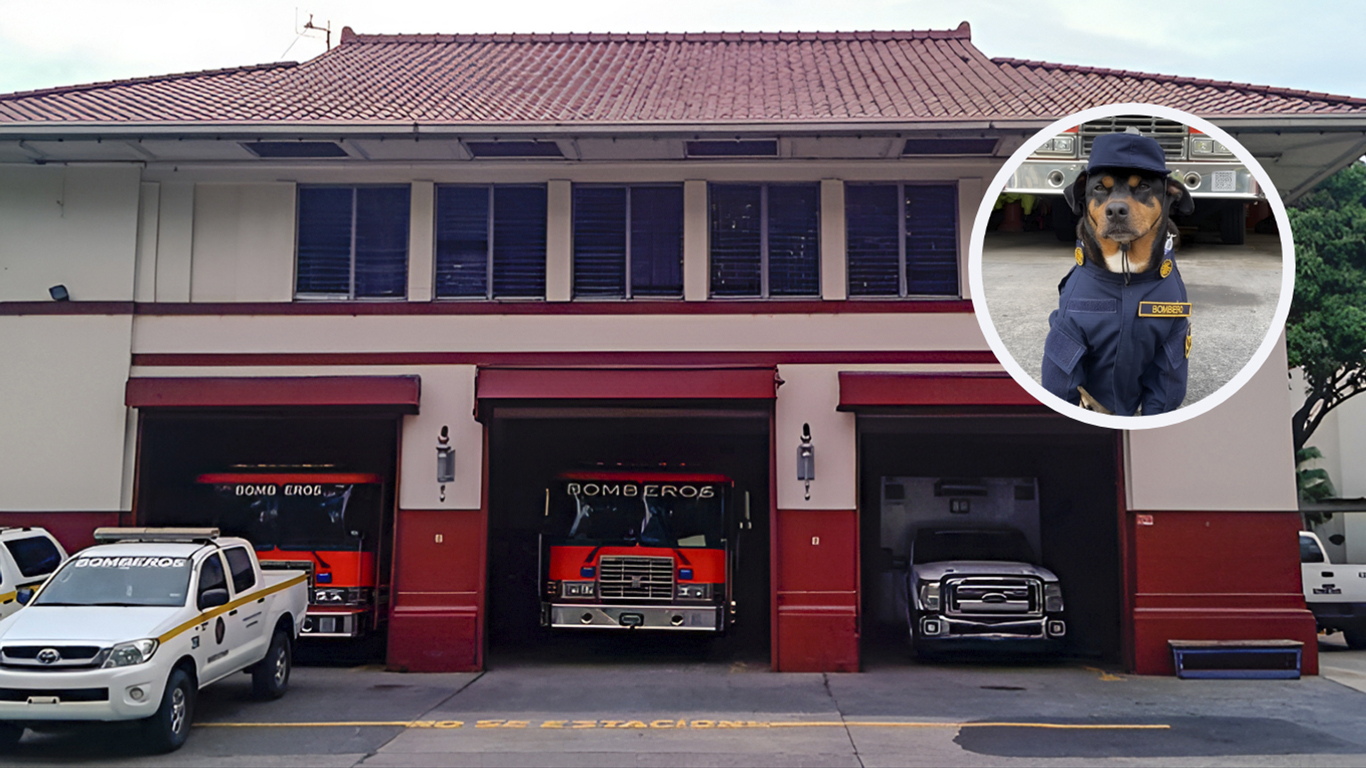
49,656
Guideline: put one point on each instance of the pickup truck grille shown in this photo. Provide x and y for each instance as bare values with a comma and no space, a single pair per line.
67,656
641,578
1003,596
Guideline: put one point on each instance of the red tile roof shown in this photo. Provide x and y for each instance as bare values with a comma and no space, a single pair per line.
684,79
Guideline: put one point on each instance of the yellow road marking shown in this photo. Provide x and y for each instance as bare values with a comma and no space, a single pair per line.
1105,677
670,723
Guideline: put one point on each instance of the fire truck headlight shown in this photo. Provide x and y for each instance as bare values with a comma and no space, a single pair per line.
329,596
694,591
1052,598
929,596
578,589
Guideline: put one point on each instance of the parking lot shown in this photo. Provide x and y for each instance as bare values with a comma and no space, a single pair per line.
675,707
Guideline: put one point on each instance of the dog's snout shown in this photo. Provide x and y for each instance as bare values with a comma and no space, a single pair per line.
1116,211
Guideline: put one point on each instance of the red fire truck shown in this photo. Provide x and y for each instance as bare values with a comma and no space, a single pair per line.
329,523
640,550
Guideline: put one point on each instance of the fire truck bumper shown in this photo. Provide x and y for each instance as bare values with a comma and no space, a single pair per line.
339,624
694,618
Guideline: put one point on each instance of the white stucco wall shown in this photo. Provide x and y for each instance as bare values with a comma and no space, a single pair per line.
809,395
243,242
75,226
62,445
1236,457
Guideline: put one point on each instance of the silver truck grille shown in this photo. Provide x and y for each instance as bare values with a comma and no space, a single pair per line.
41,657
637,578
1168,133
1012,596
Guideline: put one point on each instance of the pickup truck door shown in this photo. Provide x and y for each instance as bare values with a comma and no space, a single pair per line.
220,635
246,622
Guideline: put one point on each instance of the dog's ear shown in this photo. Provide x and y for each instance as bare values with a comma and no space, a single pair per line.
1075,194
1180,197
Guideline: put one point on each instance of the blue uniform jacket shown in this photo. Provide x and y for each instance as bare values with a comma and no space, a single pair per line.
1126,343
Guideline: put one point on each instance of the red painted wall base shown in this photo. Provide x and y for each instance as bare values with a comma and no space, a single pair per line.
434,640
816,595
436,624
1215,576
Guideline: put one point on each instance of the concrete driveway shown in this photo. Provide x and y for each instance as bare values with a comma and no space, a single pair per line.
682,710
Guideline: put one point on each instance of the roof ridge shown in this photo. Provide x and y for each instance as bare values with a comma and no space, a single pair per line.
1179,79
148,79
962,32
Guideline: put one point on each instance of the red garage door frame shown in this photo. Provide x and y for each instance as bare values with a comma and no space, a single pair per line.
627,383
400,394
863,390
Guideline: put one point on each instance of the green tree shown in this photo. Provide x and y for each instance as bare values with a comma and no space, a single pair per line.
1326,330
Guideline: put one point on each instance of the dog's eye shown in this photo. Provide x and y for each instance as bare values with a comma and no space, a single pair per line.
1144,186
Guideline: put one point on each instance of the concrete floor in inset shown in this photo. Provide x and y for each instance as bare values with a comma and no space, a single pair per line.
1233,291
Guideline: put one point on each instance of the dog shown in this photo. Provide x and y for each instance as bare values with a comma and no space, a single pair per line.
1119,341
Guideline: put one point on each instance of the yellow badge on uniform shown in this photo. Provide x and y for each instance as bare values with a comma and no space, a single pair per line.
1188,345
1081,258
1164,309
1166,267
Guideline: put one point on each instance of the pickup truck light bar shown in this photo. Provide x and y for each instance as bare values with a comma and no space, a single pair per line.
189,535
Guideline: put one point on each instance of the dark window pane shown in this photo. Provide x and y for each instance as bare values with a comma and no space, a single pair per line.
657,241
874,255
794,240
35,556
519,241
462,241
735,228
600,241
382,223
239,562
324,241
211,574
931,240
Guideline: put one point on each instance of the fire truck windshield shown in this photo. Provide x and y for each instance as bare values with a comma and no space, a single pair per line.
642,516
304,517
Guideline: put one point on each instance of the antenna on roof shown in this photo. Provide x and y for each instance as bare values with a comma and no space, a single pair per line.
304,30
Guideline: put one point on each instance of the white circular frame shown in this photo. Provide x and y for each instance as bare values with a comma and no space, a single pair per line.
979,304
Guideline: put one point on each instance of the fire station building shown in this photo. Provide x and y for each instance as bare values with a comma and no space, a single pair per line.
465,264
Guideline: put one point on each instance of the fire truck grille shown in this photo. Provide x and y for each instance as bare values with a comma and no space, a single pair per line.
638,578
1017,597
1168,133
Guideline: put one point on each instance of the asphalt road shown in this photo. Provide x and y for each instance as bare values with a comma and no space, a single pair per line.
1233,292
679,709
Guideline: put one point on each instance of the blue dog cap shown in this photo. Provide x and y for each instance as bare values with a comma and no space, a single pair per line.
1127,150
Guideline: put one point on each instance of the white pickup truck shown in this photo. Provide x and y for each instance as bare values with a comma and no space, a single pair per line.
27,557
133,627
1336,594
979,588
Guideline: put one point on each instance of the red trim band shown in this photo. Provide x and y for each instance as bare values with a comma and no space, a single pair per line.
750,358
289,478
399,393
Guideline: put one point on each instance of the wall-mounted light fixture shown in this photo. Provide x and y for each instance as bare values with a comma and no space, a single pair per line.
806,460
58,292
445,460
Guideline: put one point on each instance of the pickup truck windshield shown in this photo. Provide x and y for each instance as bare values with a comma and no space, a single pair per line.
936,545
643,515
123,581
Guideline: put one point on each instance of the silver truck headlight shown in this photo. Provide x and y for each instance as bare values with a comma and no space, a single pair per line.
694,591
128,654
578,588
1052,598
929,596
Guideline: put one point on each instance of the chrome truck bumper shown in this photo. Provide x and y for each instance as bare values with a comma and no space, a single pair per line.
335,624
946,629
1203,179
653,617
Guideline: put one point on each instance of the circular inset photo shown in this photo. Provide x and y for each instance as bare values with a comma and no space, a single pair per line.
1131,266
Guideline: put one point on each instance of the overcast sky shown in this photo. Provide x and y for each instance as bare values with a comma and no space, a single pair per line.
1314,46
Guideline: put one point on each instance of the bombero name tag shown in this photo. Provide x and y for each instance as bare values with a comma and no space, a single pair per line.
1164,309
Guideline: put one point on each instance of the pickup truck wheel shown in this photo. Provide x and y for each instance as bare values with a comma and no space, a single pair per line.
167,730
1356,638
270,676
10,734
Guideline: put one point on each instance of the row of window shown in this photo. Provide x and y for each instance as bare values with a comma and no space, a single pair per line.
628,241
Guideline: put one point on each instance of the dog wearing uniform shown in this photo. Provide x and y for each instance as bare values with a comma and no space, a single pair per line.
1120,339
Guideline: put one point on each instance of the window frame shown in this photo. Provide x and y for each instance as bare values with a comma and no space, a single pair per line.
903,279
489,228
765,287
628,292
351,291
